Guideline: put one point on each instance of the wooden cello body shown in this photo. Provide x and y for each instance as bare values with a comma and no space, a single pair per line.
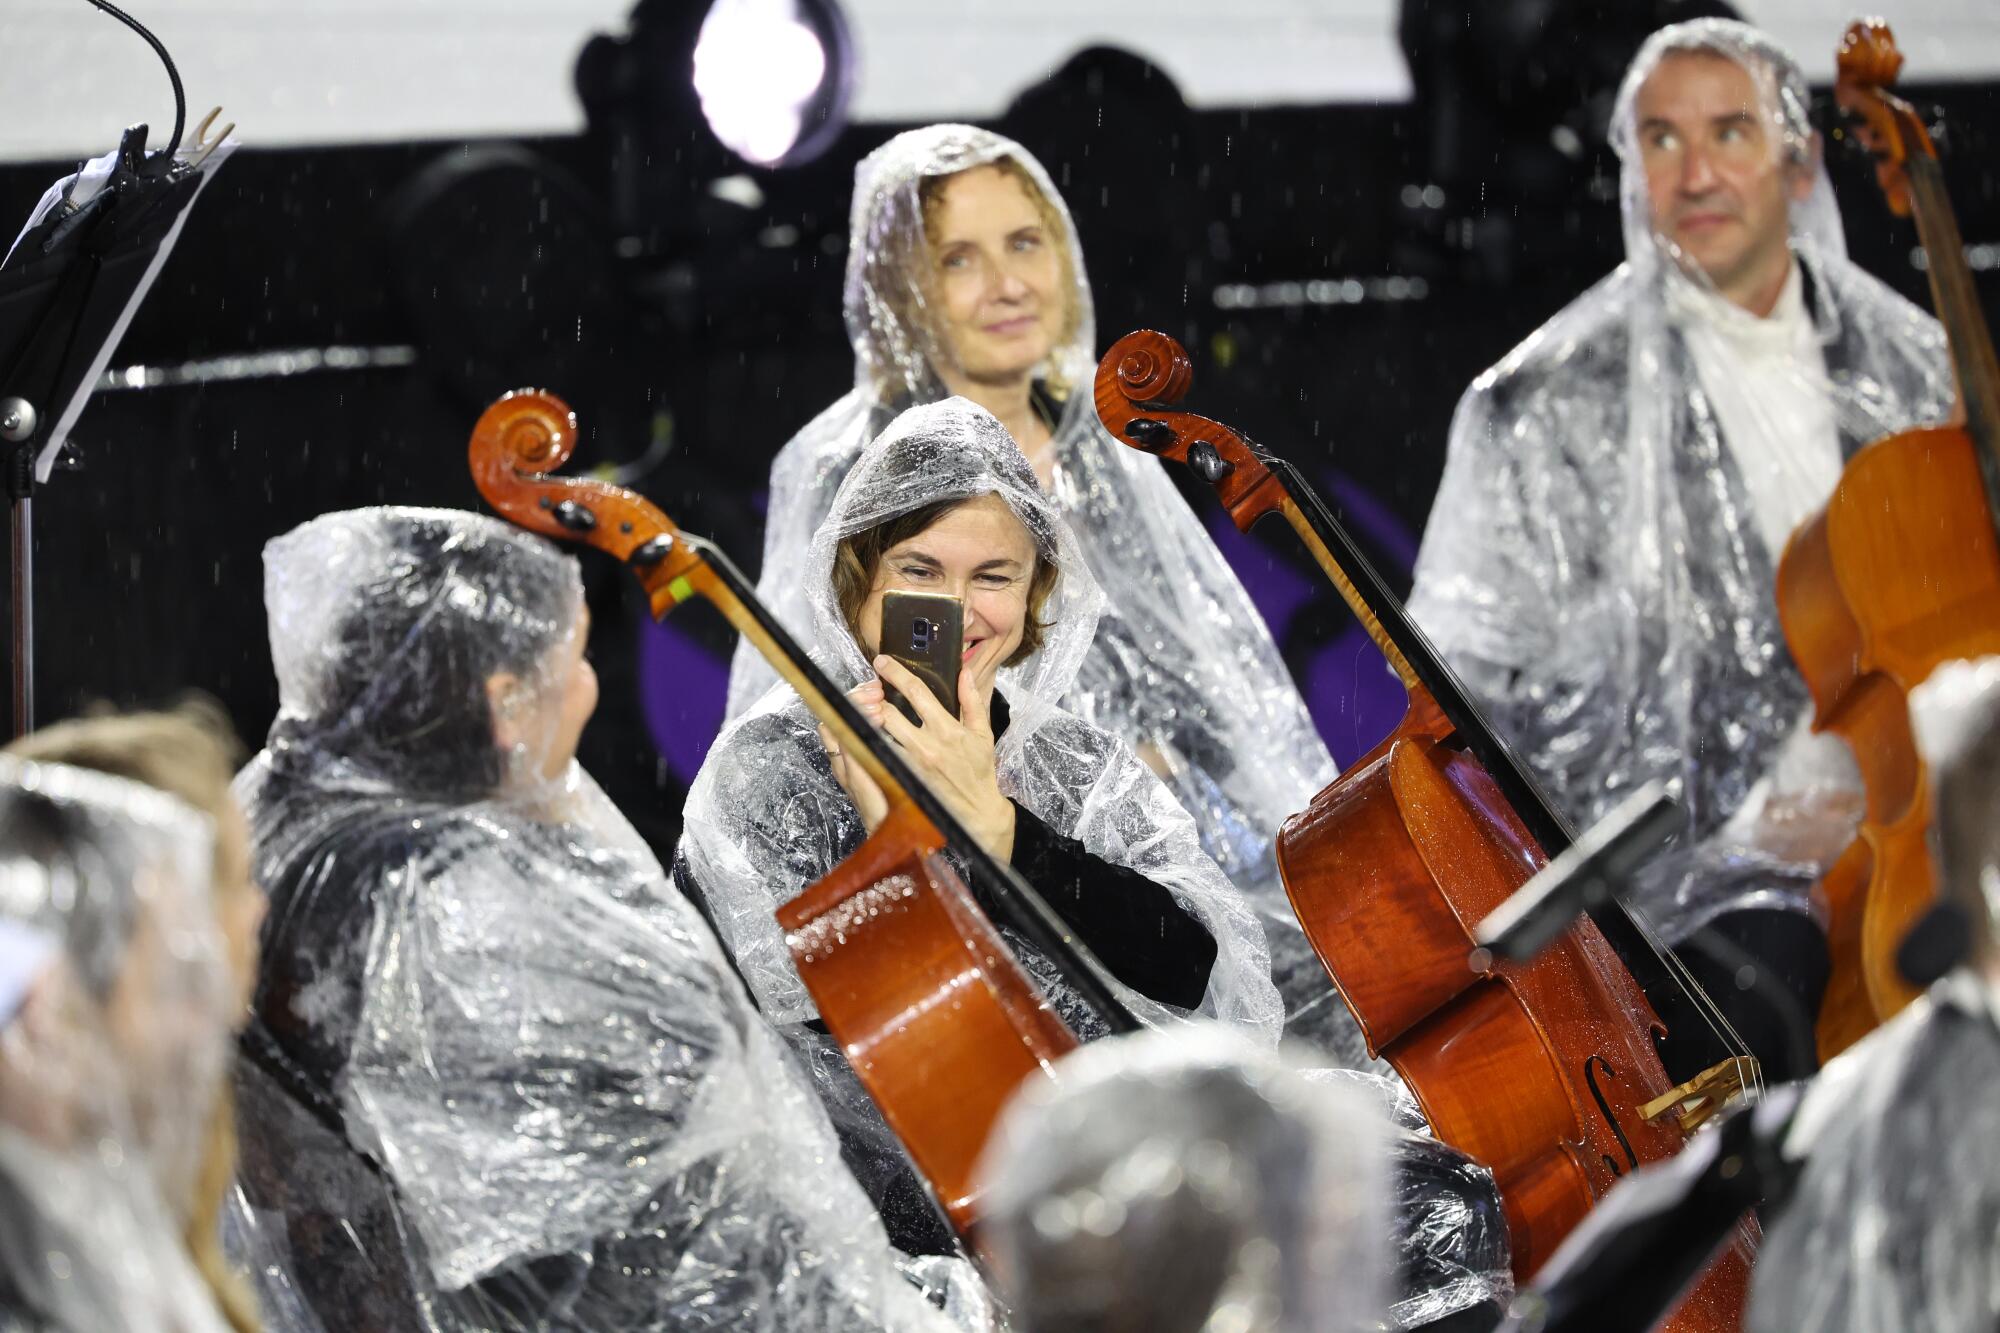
1897,574
932,1009
1546,1071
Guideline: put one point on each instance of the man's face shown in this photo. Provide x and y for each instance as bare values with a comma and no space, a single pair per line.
1720,182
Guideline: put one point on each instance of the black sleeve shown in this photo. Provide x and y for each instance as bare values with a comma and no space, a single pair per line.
1134,926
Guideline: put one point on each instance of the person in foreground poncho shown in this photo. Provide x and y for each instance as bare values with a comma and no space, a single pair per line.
945,502
965,276
503,1078
115,1000
1600,561
1192,1180
1894,1223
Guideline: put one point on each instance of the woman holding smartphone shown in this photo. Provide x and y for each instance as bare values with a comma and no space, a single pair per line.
945,502
964,276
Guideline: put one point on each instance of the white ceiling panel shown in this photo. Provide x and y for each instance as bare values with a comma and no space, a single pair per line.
333,71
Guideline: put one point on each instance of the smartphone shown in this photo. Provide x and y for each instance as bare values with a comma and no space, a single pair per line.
925,631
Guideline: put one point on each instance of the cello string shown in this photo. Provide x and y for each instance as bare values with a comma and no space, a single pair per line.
1675,967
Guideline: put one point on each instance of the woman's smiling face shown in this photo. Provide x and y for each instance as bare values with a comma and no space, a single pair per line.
998,274
982,554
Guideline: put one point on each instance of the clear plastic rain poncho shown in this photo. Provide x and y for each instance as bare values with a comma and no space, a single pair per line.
505,1079
1600,561
1895,1221
765,817
1167,1179
111,1063
1189,1181
1184,670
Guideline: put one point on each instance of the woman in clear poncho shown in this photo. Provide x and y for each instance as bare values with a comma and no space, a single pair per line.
190,753
113,1044
965,276
1600,564
1084,820
1093,827
502,1076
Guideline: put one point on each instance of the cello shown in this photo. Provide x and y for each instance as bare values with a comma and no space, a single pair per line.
1898,572
930,1006
1545,1071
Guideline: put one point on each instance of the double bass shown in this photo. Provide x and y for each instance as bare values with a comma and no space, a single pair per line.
1898,573
932,1009
1545,1072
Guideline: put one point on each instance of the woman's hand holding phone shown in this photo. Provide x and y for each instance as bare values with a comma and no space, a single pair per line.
953,755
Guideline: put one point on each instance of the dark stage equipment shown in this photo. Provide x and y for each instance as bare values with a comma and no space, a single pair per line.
1514,100
68,289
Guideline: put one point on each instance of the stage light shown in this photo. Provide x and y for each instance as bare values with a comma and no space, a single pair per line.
774,77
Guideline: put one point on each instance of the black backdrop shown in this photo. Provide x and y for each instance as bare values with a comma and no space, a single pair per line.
721,335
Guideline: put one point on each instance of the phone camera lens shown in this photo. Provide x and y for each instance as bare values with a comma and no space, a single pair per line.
920,634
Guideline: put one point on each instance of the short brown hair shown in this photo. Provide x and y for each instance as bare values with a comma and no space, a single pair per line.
858,559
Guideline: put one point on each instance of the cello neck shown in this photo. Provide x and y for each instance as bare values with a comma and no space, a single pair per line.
1415,660
1912,182
1974,366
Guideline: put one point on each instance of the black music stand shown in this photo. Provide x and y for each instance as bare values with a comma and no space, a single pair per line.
68,289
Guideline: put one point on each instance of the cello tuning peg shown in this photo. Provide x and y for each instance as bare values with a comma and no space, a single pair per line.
652,552
1209,465
1150,434
575,517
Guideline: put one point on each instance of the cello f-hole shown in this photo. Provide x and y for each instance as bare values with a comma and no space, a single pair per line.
1604,1109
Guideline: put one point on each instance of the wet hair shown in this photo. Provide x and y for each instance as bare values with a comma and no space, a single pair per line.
58,850
930,197
418,646
858,559
189,751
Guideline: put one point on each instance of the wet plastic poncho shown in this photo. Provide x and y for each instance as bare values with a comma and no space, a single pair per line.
1305,1198
1895,1221
1600,560
1184,670
110,1064
506,1079
765,817
1189,1181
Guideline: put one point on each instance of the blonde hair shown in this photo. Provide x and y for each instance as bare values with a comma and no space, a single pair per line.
930,197
192,752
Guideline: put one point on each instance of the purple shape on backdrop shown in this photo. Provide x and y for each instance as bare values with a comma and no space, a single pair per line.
1370,517
1276,589
1353,697
684,691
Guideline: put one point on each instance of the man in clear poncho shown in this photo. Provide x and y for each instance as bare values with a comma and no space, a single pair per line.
503,1076
1092,826
965,276
114,1038
1601,556
1894,1223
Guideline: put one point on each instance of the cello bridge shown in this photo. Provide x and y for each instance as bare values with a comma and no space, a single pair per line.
1693,1102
